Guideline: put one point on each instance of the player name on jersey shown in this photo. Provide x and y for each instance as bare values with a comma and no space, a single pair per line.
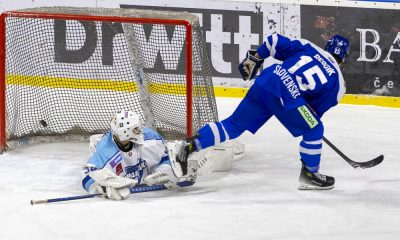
287,81
325,65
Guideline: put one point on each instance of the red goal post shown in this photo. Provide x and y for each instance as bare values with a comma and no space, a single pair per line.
65,14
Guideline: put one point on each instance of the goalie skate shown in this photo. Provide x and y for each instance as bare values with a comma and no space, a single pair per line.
315,181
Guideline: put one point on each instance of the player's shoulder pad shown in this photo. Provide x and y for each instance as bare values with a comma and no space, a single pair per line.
107,145
106,149
280,39
105,139
150,134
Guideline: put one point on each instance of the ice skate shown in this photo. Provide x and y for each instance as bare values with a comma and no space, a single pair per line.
314,181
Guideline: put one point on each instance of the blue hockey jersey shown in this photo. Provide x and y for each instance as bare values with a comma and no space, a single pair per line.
140,161
307,74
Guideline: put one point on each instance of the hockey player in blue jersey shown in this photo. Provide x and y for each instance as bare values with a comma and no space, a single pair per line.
298,91
125,156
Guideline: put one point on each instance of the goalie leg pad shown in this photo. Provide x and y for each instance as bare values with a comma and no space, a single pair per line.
219,158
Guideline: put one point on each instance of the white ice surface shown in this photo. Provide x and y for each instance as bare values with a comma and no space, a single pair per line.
258,199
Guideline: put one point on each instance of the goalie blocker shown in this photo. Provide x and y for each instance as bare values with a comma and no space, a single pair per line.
214,159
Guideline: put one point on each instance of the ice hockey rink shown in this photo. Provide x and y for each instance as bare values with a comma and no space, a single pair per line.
258,199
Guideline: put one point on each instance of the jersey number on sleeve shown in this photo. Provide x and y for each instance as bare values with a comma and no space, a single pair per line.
309,74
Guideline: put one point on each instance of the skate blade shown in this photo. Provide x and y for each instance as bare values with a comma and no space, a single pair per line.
303,186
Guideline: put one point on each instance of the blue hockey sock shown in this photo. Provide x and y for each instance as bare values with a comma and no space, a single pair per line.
311,148
211,134
310,153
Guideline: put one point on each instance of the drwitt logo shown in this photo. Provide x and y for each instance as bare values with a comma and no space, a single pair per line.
228,35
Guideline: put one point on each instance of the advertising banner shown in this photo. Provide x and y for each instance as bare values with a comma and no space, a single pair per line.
229,34
373,66
230,29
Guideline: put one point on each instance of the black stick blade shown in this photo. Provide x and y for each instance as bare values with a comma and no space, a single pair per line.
368,164
354,164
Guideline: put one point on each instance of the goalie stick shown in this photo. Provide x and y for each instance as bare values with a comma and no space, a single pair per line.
354,164
184,181
135,189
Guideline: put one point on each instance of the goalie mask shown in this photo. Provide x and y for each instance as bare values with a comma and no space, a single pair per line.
126,125
338,46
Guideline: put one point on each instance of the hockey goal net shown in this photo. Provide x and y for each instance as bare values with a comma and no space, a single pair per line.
65,71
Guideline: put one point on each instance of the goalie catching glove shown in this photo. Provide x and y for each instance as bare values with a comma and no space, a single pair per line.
112,186
249,66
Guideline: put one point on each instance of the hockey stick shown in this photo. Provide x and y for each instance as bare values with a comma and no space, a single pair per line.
135,189
63,199
185,181
354,164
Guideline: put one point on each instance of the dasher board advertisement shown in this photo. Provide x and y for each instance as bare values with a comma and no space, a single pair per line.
232,28
373,66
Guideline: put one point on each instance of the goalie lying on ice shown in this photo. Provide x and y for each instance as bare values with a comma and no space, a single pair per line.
125,156
129,154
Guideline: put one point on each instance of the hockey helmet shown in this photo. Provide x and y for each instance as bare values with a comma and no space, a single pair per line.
126,125
338,46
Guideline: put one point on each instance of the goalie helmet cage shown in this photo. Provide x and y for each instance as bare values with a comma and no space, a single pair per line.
65,71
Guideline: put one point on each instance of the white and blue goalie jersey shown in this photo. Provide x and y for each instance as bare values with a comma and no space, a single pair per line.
140,161
307,75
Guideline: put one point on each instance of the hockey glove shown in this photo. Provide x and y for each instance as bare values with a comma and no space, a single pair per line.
112,186
249,66
159,178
